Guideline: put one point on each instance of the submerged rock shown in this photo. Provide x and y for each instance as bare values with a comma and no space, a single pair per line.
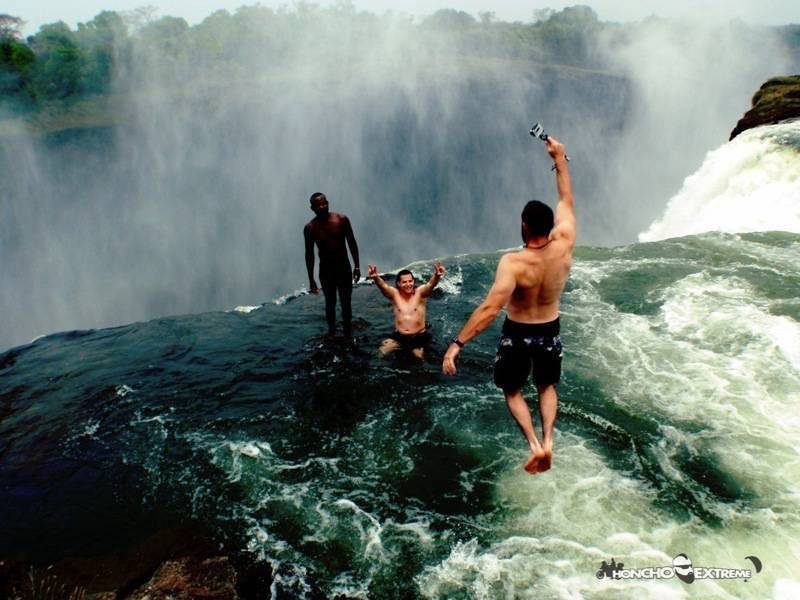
777,100
190,579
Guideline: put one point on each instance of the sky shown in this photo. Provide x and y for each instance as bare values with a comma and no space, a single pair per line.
770,12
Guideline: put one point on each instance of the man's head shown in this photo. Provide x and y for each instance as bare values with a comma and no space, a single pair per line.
319,204
537,220
404,281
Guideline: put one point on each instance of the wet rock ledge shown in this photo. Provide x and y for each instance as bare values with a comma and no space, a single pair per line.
174,565
778,99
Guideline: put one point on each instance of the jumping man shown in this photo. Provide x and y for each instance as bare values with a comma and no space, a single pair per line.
530,282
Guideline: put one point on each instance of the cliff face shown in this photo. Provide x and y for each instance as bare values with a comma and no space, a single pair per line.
777,100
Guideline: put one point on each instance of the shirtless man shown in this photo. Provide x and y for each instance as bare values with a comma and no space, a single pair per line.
329,231
530,282
410,329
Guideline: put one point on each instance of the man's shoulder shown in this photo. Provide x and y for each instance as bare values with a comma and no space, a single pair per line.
512,258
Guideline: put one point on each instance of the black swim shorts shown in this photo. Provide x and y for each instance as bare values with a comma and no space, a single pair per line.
410,341
526,345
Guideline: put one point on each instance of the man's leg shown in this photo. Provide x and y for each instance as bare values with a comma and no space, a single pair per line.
548,407
522,415
345,294
329,291
388,345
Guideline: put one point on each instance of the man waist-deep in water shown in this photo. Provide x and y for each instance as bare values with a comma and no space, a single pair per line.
330,231
408,302
529,283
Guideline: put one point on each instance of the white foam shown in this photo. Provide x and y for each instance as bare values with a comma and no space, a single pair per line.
451,282
123,390
786,589
749,184
290,296
245,309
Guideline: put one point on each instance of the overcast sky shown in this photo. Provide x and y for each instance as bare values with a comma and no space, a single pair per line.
772,12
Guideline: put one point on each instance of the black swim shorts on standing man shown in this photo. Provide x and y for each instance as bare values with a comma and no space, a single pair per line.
526,345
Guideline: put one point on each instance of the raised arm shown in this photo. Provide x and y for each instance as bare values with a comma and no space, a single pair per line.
426,289
351,243
309,239
564,227
481,318
386,290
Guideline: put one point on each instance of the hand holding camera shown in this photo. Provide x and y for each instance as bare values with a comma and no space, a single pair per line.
554,148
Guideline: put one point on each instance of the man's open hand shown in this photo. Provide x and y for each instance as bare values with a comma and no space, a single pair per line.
372,271
449,362
439,267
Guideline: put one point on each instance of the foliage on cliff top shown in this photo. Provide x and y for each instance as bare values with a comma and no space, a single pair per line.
776,100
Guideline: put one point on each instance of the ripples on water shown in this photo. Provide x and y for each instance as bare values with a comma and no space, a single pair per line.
377,477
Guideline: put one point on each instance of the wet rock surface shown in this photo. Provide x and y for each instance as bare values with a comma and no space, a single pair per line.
778,99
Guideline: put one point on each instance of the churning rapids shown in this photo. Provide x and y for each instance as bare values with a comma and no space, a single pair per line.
678,429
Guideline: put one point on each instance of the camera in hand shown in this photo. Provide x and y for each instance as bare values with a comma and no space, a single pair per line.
538,131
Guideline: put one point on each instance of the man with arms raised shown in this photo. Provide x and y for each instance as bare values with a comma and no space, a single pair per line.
410,330
530,282
329,231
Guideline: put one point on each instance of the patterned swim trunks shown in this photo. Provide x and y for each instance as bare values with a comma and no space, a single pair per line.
523,346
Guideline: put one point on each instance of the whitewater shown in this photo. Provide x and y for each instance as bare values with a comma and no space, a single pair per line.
360,477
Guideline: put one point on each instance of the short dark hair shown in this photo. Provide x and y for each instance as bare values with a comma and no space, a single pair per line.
538,217
400,274
316,195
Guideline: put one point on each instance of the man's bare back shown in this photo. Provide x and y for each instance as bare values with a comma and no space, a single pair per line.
539,278
529,283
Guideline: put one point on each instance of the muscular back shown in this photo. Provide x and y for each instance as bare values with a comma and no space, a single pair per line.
540,276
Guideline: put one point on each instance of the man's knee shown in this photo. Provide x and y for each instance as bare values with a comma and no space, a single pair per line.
512,394
544,389
388,345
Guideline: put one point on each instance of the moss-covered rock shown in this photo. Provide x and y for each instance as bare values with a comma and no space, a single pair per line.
777,100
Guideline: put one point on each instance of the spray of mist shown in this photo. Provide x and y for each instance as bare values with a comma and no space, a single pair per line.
196,199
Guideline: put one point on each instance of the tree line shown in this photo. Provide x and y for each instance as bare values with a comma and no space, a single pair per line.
59,64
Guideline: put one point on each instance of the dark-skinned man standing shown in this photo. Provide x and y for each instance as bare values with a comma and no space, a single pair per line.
330,232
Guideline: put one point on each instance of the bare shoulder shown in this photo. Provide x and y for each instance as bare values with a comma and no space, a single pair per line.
564,232
509,262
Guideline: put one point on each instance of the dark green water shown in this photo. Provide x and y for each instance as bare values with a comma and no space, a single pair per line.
382,478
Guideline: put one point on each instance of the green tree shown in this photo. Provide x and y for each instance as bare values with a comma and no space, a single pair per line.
57,72
10,27
449,19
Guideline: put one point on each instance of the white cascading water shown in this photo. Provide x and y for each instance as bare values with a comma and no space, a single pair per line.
751,183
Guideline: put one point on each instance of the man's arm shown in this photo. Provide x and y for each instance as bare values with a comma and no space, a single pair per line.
426,289
309,238
564,227
481,318
386,290
351,243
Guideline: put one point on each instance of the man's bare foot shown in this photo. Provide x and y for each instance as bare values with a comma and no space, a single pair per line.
547,459
534,460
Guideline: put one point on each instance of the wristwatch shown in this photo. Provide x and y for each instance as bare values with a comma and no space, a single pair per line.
457,342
